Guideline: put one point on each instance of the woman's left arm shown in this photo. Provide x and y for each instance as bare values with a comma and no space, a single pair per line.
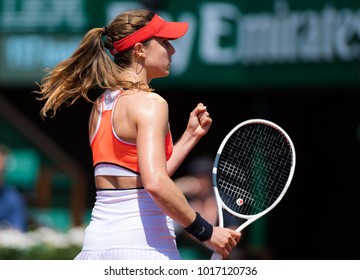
198,125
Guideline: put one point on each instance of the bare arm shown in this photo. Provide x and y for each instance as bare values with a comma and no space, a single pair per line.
152,127
198,125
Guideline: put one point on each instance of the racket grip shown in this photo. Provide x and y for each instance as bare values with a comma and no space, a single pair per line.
216,256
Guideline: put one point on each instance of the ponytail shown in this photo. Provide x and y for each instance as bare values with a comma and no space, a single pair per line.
88,67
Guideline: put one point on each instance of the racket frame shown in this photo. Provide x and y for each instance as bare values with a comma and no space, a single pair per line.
221,205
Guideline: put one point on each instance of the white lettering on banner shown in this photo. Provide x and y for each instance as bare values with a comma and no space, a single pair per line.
215,25
24,53
282,37
226,36
42,15
348,29
261,38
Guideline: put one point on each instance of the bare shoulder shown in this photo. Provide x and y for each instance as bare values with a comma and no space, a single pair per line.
145,95
155,96
151,105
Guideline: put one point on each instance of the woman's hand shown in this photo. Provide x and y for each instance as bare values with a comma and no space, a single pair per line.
223,240
199,121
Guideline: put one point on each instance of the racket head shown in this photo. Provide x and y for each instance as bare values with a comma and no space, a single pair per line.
253,168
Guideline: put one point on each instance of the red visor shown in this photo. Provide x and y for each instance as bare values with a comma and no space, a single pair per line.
157,27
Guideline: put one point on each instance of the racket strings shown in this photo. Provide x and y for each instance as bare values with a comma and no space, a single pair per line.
253,169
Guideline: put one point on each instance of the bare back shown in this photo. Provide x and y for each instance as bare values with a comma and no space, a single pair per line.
125,125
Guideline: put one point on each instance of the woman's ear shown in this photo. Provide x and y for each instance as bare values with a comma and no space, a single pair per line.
138,50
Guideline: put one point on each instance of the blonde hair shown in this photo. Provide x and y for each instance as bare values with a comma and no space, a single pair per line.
90,67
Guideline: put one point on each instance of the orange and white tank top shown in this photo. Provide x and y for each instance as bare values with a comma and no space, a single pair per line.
112,155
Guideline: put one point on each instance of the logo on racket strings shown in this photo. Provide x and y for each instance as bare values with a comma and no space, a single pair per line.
239,201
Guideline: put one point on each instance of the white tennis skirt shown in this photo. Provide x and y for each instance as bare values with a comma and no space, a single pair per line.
128,225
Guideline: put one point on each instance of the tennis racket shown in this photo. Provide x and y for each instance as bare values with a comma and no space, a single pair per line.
252,171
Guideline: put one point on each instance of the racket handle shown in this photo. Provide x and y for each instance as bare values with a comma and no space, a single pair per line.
216,256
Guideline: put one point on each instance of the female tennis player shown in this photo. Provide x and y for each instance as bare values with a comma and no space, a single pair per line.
130,138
